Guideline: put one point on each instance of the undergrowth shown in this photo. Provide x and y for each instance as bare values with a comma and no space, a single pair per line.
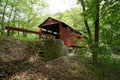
107,68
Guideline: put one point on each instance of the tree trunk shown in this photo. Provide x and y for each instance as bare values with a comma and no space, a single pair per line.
96,33
10,14
94,45
86,22
3,17
18,31
13,23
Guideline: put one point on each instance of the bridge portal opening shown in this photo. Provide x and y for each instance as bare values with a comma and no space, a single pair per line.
51,29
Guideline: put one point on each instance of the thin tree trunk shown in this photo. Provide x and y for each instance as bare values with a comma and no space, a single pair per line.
14,16
96,33
10,14
86,22
19,24
3,17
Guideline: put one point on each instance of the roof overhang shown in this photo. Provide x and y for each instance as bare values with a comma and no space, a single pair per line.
55,24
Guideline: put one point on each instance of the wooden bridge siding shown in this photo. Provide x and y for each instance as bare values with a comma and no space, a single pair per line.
65,35
68,36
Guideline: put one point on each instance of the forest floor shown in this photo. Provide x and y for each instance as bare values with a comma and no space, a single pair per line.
58,69
15,65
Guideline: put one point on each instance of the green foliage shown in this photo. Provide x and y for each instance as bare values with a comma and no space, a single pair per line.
82,51
52,49
104,50
47,49
110,25
21,14
76,40
107,68
72,18
27,38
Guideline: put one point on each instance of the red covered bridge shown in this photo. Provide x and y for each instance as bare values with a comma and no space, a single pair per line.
60,30
53,28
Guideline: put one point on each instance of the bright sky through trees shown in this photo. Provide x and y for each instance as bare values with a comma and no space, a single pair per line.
60,5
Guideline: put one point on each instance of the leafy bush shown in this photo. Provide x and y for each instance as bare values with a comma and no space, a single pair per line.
82,51
107,68
48,49
52,49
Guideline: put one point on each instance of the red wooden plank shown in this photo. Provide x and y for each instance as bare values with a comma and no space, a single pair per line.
22,30
28,31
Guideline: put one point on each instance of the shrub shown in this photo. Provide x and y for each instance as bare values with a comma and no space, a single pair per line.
52,49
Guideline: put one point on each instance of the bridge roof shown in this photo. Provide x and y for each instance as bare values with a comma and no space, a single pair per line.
54,23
